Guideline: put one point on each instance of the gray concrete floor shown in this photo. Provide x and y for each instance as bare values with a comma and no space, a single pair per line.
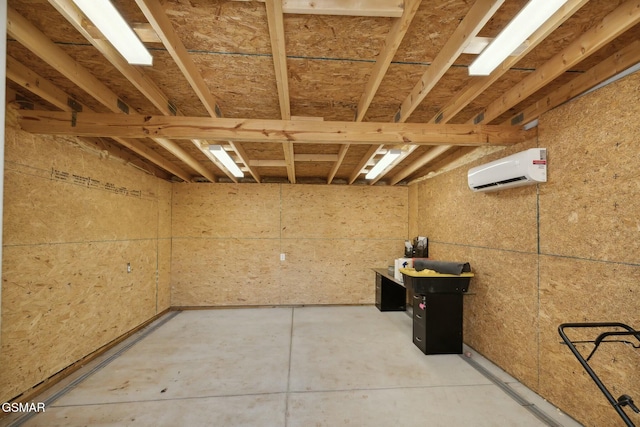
303,366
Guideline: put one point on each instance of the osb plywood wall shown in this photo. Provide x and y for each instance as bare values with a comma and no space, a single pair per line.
567,254
228,239
73,219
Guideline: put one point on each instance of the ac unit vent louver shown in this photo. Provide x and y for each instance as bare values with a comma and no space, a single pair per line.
524,168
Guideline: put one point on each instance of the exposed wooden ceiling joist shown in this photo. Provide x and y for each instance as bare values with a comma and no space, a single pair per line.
298,158
373,150
388,8
465,96
276,34
479,14
41,87
427,157
34,40
143,30
156,16
337,67
135,75
239,149
274,131
158,19
473,22
391,45
613,65
480,84
617,22
378,8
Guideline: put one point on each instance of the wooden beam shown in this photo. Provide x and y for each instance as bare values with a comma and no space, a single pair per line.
427,157
391,45
388,8
455,154
239,149
158,19
268,163
34,40
46,90
405,151
479,84
143,30
615,64
156,16
316,157
476,18
380,8
276,34
617,22
275,131
135,75
363,162
40,86
299,158
341,155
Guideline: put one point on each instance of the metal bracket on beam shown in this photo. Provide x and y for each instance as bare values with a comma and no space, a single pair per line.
123,107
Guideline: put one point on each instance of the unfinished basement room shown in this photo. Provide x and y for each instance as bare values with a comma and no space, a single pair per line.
295,213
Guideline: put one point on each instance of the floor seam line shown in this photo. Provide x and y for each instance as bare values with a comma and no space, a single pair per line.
399,387
214,396
286,400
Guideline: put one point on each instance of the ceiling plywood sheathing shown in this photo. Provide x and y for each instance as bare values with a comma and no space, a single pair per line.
258,63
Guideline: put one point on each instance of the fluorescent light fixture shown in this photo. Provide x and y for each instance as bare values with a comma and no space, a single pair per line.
531,124
382,164
224,157
529,19
113,26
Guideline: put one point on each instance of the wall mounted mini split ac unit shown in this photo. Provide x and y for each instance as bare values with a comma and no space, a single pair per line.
523,168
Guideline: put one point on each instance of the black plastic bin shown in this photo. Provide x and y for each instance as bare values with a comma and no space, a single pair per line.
449,284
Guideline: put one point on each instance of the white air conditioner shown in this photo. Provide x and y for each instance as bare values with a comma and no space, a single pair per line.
523,168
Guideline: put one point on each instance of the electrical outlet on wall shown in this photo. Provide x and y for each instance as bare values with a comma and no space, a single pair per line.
282,257
128,267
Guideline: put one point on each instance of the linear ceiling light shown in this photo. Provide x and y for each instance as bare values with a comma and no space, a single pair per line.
530,18
113,26
224,157
382,164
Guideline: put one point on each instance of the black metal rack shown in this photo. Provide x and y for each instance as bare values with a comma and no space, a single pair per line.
615,332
